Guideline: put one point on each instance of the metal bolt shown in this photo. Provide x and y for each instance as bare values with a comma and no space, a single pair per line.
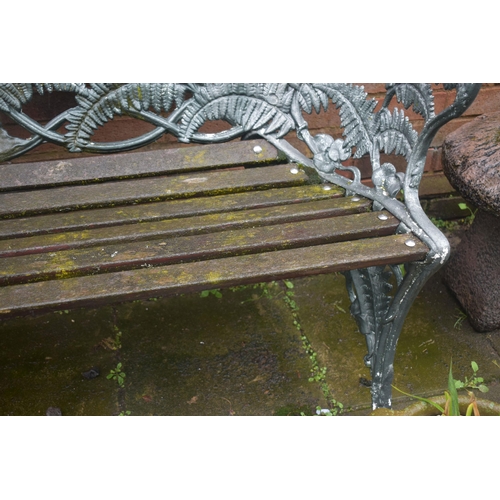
294,170
355,199
257,150
326,188
382,216
410,243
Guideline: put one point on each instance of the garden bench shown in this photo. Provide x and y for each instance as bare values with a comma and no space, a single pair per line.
94,230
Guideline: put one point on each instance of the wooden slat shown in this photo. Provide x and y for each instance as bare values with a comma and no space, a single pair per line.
195,276
107,217
134,164
108,258
147,189
181,226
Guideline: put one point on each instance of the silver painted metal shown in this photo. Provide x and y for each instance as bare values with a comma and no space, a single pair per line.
272,111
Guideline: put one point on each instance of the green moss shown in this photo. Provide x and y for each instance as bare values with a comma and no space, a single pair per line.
292,411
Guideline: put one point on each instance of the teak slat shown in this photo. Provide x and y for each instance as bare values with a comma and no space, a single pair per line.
196,276
135,164
147,189
132,255
169,228
107,217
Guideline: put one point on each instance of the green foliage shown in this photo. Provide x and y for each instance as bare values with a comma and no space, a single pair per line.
460,319
454,410
452,405
126,413
318,373
470,218
474,382
452,225
117,374
216,292
117,342
449,225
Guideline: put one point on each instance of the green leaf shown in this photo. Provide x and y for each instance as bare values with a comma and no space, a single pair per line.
288,284
425,400
463,206
459,384
483,388
475,368
110,376
454,410
205,293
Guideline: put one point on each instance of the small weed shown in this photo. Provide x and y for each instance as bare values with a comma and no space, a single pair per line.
452,405
117,374
338,307
460,319
215,291
472,214
267,290
318,373
449,225
117,342
125,413
473,382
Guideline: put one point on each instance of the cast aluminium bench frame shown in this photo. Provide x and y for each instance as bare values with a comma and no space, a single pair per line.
271,111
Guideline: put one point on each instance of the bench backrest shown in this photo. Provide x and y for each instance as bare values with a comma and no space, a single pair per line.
270,111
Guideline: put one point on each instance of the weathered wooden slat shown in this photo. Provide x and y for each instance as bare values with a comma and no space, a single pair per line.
195,276
169,228
108,258
107,217
135,164
147,189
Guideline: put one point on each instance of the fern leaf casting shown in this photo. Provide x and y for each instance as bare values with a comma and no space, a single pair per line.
356,115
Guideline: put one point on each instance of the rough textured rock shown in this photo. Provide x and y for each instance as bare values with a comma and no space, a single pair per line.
471,161
473,273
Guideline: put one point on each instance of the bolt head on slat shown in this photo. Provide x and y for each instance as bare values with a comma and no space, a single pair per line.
257,150
294,170
382,216
327,188
410,243
356,198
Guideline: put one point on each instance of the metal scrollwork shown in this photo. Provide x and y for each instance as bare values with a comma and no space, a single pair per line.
272,111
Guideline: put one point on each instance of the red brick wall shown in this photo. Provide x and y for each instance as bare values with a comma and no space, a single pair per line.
46,107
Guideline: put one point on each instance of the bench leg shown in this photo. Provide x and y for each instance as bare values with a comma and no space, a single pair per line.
380,315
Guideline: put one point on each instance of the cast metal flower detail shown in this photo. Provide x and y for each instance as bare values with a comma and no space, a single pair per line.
387,180
330,153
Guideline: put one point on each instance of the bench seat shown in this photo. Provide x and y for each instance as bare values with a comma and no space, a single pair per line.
80,241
